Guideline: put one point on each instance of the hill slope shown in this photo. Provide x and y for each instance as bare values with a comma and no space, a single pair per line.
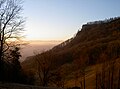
96,42
93,39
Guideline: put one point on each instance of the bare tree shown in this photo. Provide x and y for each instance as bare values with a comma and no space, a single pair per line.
11,23
58,78
44,65
11,26
81,65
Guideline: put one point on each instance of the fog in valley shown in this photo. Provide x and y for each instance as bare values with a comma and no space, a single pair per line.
34,47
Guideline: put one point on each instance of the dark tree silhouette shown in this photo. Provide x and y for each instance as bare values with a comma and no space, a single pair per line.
16,67
11,26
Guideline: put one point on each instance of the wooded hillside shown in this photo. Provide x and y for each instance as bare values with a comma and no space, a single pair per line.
97,42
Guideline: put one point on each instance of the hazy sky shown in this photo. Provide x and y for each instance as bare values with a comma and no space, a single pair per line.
60,19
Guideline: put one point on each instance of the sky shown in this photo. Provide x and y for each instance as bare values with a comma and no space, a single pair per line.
61,19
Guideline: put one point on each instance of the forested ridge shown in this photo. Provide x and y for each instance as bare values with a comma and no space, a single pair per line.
97,43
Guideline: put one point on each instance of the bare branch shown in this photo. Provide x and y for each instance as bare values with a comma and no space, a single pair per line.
11,22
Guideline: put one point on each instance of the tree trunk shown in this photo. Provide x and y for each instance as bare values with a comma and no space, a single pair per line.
84,80
103,78
96,80
109,79
81,86
119,80
112,76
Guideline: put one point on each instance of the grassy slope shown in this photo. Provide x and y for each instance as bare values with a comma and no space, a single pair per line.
90,75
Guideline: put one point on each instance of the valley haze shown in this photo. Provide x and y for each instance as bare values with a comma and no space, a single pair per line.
37,46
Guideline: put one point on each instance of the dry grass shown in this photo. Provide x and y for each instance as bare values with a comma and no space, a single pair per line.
90,76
